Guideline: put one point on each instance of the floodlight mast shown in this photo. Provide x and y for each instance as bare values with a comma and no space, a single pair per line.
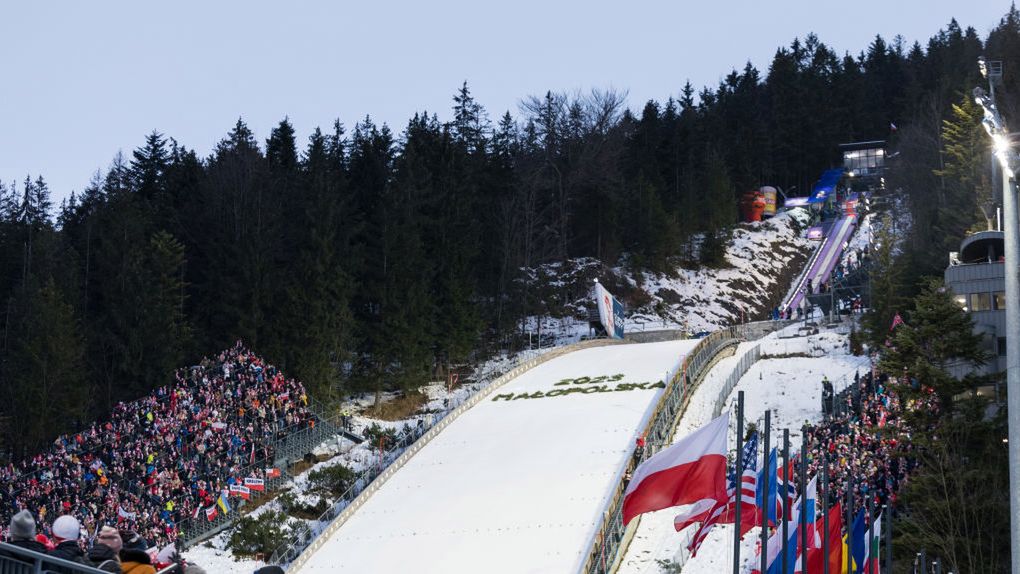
1008,160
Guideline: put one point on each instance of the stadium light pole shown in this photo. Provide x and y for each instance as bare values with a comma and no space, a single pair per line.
1011,235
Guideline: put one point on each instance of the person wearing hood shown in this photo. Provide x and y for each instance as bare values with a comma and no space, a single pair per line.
105,553
66,531
133,556
22,532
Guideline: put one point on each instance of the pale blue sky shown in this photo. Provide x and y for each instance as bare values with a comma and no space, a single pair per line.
82,80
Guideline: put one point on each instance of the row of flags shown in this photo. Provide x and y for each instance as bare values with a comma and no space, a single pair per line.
694,472
240,490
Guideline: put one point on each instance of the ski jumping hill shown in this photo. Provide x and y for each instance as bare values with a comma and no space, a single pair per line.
517,483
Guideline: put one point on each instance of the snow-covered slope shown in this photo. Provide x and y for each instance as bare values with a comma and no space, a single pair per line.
791,388
517,483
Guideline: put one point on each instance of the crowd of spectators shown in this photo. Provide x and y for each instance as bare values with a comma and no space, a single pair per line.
866,441
162,459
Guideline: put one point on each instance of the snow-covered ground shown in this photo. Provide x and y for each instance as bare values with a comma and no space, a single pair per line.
791,388
759,255
706,299
519,482
692,300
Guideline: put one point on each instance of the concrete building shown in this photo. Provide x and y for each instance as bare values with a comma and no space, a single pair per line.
975,276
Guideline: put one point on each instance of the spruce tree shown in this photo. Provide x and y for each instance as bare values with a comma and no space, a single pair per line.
937,335
45,392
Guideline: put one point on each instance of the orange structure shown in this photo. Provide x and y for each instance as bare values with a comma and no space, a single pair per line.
752,205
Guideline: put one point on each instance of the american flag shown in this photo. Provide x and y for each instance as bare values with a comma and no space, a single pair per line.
724,511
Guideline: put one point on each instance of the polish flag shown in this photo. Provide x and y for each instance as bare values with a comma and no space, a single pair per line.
691,470
255,483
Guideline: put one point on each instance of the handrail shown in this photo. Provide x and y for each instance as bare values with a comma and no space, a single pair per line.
18,560
604,544
308,539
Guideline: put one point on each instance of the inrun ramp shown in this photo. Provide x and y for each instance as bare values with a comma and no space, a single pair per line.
518,483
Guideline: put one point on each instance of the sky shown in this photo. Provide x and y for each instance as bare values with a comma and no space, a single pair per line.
84,80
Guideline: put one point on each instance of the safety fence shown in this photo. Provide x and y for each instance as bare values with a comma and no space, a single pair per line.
752,356
607,543
311,536
17,560
290,444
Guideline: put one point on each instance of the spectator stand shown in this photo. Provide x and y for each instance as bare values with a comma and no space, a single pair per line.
291,445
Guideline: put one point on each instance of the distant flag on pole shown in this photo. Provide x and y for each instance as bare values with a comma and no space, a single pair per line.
691,470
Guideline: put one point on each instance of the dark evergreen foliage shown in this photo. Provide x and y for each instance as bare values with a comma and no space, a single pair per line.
375,261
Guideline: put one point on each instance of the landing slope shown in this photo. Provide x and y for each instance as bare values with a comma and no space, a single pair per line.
517,484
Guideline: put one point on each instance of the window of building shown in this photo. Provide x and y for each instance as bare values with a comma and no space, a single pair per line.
980,301
1002,346
1000,300
961,300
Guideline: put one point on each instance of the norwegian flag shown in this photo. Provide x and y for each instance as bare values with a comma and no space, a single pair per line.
724,512
785,479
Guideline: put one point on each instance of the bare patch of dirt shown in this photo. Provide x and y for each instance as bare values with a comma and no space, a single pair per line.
399,408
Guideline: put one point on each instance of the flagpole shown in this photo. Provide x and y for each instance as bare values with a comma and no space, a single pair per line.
803,499
888,538
871,534
738,492
786,498
849,482
825,511
764,510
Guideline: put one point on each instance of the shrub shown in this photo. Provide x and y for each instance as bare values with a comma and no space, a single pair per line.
375,432
334,480
259,535
294,507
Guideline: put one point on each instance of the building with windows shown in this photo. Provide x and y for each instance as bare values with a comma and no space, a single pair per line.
977,279
864,163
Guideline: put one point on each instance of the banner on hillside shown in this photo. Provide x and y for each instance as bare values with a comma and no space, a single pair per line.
610,311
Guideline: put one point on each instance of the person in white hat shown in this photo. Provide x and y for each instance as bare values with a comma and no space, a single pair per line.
66,532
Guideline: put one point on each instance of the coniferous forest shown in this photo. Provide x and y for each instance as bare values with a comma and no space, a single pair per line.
360,258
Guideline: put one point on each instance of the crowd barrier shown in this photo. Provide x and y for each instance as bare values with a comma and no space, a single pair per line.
311,536
606,544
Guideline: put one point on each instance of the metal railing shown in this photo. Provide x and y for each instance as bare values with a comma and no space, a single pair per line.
751,357
310,536
606,543
302,536
17,560
291,444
